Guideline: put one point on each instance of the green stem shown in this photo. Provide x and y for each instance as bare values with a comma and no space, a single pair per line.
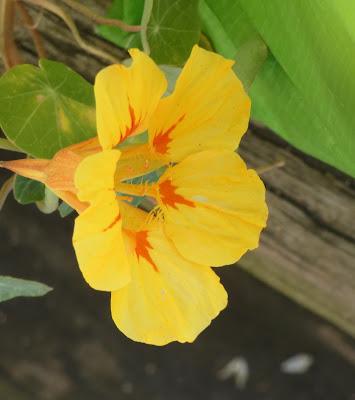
5,190
7,145
69,21
147,11
87,12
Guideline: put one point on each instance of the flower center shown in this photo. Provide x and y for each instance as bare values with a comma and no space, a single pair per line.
137,171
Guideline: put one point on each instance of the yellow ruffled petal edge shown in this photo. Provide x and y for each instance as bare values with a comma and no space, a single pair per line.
209,109
214,207
97,238
126,97
99,245
168,298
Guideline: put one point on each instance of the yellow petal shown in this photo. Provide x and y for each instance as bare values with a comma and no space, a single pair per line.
214,208
96,173
209,109
173,301
126,97
99,245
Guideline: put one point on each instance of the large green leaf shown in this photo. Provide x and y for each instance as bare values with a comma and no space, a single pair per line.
45,109
14,287
171,27
27,191
305,90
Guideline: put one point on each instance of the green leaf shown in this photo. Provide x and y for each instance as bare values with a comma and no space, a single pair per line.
14,287
64,209
305,90
173,28
45,109
49,203
129,11
171,74
27,191
251,57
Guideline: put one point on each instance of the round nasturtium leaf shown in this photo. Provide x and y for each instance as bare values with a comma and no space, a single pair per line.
169,28
46,108
172,29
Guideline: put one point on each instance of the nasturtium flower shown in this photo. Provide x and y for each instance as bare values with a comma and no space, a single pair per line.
207,207
157,295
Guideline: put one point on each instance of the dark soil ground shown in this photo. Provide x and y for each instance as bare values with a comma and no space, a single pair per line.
65,346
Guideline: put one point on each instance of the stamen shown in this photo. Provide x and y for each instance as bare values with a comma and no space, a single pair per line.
156,214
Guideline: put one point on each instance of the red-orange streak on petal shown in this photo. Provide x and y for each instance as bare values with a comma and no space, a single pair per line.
162,140
134,124
113,223
142,248
169,196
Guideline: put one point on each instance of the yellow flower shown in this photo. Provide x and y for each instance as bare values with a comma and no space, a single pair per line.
157,295
209,208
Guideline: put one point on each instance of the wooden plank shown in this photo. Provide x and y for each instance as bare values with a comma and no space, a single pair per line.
307,251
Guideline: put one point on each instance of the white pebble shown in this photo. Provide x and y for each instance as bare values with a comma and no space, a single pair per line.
297,364
238,369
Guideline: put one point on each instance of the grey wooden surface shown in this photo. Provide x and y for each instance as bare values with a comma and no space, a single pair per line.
308,249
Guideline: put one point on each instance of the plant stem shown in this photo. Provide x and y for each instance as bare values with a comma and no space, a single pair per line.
98,19
8,48
5,190
28,21
74,30
147,11
7,145
267,168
